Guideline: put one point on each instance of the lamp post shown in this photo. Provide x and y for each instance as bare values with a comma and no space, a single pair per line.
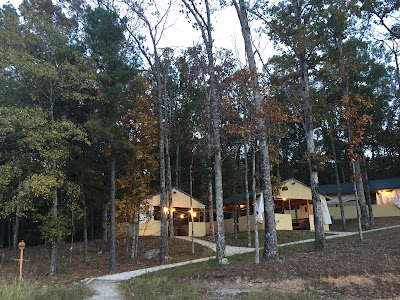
21,246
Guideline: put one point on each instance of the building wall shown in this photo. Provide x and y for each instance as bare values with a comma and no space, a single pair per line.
312,227
199,229
282,221
296,190
179,199
379,210
152,228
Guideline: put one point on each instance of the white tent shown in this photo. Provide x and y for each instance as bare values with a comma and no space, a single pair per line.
388,196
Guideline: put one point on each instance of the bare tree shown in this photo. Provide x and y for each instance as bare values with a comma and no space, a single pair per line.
270,239
203,23
153,19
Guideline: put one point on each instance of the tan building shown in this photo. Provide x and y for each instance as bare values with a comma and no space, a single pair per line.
183,205
384,193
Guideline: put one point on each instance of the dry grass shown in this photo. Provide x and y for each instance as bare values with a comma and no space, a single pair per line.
352,224
35,290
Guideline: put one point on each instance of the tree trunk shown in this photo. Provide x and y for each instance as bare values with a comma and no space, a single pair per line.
339,192
270,239
85,238
246,185
54,244
191,201
360,230
16,228
206,32
85,227
209,175
367,192
177,165
9,233
211,205
161,127
320,242
2,226
169,188
104,240
220,237
113,232
256,241
92,224
361,195
235,217
135,235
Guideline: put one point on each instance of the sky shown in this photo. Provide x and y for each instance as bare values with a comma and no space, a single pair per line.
227,34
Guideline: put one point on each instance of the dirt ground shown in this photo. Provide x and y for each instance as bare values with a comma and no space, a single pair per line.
346,269
71,267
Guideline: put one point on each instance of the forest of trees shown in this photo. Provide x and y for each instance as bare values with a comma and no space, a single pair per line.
95,115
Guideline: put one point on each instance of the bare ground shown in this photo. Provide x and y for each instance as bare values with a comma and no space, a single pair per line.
72,268
346,269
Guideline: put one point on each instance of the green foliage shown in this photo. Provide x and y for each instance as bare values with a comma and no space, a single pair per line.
53,229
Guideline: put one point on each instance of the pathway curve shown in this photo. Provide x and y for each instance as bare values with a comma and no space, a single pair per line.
229,250
106,287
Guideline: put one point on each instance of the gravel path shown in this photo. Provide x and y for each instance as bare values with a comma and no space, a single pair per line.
105,290
229,250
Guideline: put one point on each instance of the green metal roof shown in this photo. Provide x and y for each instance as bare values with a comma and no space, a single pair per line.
348,187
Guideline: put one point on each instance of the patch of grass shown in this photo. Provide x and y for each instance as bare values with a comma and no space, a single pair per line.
352,224
34,290
284,236
189,282
281,296
165,284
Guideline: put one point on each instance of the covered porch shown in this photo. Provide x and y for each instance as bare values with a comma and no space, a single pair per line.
293,209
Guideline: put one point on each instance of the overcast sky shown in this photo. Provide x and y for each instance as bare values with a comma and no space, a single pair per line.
227,33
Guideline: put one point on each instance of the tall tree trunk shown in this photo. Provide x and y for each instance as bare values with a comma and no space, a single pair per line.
71,249
161,128
205,27
169,188
9,233
361,194
104,224
16,228
210,191
270,239
339,192
320,242
359,188
367,192
2,235
220,237
92,222
54,209
54,244
113,232
246,185
163,196
85,227
256,241
191,201
135,235
210,198
177,184
360,230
